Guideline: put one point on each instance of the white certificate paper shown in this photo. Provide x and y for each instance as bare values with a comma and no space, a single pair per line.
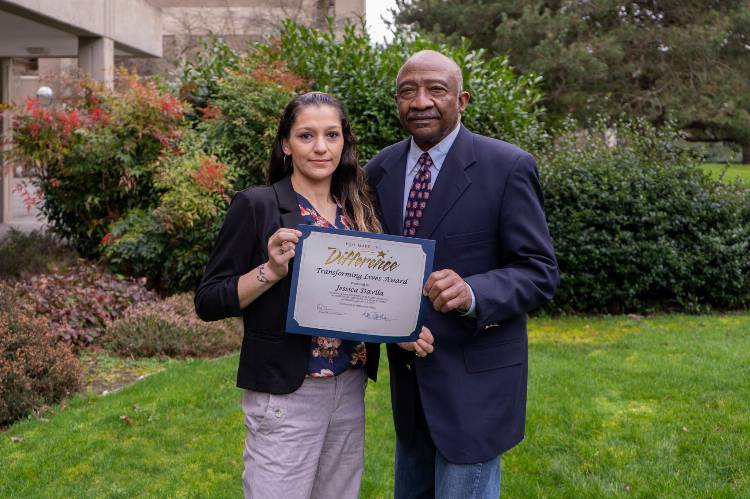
357,285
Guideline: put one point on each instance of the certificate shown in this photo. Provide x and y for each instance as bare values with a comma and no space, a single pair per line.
358,286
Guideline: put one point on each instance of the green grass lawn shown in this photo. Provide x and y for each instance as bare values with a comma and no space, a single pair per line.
618,406
732,171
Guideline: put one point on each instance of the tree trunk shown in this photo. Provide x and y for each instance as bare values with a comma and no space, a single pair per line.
745,154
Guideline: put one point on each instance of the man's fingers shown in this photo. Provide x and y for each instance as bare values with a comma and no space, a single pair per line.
447,295
440,286
426,335
425,347
454,304
434,277
422,348
453,301
446,290
409,346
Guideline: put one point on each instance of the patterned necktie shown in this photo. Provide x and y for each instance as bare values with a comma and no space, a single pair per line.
418,196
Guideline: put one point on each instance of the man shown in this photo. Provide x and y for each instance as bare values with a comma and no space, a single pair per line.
459,408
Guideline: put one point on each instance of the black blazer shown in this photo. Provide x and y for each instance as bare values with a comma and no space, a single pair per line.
271,360
486,216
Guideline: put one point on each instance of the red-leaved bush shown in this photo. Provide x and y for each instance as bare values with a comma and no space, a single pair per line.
35,368
93,153
79,303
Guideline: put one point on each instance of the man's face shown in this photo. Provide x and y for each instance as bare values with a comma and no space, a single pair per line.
429,101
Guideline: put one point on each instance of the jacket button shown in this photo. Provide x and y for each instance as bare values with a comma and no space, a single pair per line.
408,367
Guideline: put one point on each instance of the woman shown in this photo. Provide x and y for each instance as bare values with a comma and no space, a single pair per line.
304,397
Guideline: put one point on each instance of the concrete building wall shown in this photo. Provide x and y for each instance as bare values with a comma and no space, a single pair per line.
239,22
133,25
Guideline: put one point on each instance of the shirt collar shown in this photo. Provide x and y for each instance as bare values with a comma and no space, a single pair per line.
437,153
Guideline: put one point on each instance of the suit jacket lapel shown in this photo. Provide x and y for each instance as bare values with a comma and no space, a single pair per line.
451,183
391,188
288,205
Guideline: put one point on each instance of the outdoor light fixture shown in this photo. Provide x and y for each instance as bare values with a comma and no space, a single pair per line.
45,95
37,51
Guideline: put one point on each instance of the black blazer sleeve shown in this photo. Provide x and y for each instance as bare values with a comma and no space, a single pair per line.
216,296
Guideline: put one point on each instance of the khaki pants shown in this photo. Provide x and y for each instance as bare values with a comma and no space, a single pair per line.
306,444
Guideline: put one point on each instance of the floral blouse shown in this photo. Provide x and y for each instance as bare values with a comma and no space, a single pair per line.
330,356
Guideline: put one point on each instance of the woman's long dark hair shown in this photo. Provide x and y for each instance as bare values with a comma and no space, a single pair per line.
348,184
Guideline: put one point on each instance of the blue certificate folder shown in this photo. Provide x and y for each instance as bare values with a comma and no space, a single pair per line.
346,326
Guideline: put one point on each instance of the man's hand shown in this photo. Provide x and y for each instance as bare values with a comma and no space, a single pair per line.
423,345
447,291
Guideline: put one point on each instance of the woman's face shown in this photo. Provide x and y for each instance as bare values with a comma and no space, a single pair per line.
315,142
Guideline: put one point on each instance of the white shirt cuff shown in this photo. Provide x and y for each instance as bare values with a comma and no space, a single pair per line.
472,312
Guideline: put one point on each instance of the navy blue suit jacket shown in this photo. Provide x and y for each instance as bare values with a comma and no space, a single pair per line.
486,216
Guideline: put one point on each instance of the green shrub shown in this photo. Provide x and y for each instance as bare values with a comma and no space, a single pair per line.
197,78
93,157
35,369
638,226
123,175
503,104
240,123
360,74
23,254
78,304
169,243
171,328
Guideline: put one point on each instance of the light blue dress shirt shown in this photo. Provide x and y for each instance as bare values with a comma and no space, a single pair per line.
437,153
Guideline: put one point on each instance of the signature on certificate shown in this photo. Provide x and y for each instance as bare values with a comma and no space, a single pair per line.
323,309
377,316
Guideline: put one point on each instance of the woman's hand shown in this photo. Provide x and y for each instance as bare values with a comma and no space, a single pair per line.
281,246
423,346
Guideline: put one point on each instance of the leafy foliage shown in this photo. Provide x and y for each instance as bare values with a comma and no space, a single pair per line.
78,304
94,157
169,243
23,254
650,59
35,369
238,101
636,226
504,105
639,227
198,78
171,328
240,123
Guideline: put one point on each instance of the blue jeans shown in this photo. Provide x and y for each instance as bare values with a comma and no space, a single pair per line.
421,472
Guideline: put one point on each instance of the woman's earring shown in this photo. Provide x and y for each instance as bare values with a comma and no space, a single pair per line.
285,158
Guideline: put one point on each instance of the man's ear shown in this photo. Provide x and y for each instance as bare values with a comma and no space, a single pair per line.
463,100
